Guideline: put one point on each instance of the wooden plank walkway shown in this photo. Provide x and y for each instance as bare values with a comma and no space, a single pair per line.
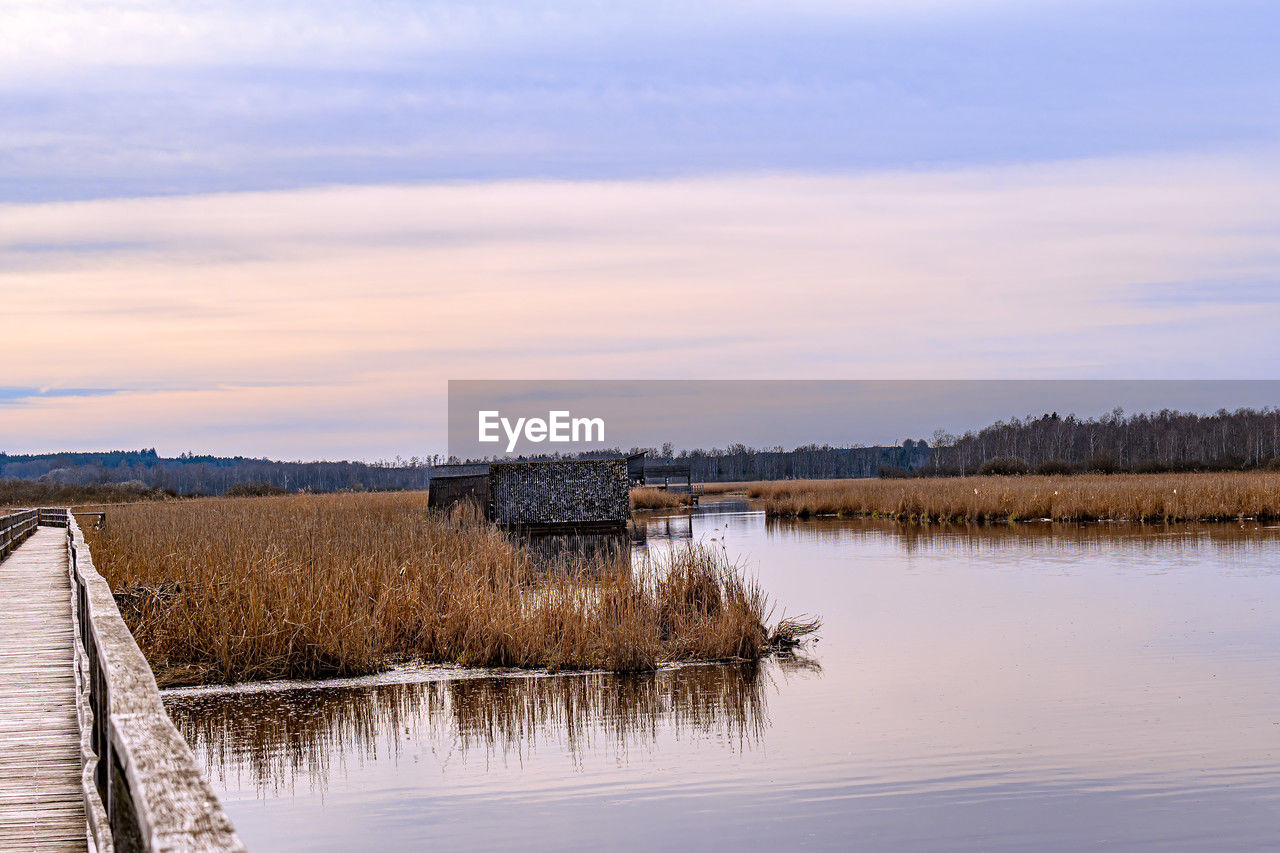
41,800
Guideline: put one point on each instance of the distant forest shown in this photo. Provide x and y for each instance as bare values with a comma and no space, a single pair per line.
1049,443
738,462
189,474
1116,442
140,474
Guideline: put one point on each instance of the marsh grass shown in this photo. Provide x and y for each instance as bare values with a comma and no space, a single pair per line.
647,497
311,586
1116,497
730,488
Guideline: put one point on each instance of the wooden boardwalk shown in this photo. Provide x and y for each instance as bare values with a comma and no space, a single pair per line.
41,797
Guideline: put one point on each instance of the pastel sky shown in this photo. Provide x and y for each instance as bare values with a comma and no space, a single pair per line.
280,228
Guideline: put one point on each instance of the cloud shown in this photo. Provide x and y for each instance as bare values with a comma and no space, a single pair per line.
57,36
26,395
330,319
138,99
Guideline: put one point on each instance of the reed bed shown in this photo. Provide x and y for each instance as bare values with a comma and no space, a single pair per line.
1116,497
724,488
312,586
646,497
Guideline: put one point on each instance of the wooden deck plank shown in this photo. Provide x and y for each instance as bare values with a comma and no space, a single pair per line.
41,801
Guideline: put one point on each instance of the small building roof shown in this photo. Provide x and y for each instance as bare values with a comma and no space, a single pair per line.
468,469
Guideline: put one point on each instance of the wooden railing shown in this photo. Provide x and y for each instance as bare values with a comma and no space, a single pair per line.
52,517
143,788
15,527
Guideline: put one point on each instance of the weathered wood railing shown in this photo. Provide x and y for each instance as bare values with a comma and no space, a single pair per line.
53,517
15,527
143,788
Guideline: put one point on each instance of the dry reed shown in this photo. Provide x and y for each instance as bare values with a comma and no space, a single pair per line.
646,497
1117,497
323,585
729,488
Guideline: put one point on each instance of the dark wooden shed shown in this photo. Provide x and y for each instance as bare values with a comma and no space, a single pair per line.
635,468
451,484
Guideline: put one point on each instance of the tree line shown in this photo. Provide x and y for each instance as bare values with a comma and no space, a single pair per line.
1167,440
1049,444
193,475
737,462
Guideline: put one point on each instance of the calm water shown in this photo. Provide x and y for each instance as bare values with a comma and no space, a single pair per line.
1039,688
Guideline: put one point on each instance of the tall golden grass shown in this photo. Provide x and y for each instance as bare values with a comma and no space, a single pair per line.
724,488
647,497
1116,497
323,585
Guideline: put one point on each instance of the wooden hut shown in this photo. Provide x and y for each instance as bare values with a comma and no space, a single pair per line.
451,484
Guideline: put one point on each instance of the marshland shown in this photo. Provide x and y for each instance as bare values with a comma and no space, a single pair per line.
973,686
312,586
997,656
1143,498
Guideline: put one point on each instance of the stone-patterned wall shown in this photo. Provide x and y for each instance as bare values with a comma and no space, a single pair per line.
592,491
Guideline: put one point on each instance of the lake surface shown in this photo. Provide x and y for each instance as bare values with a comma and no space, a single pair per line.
1037,687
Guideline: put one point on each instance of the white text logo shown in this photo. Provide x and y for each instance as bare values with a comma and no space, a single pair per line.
559,427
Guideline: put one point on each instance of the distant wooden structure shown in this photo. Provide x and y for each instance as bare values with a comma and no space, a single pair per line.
673,476
635,468
567,494
89,759
99,519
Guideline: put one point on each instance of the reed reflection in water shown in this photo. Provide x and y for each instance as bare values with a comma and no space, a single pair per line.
1061,541
270,738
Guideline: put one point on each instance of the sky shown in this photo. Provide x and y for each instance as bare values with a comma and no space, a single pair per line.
281,228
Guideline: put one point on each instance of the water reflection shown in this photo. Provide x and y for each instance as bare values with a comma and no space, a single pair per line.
575,548
1032,686
277,736
665,528
713,505
714,515
1031,538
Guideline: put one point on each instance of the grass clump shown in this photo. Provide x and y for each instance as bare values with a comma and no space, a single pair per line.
647,497
312,586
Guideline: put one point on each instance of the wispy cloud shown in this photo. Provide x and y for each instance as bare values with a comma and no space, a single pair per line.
1245,290
57,36
148,98
16,396
326,322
